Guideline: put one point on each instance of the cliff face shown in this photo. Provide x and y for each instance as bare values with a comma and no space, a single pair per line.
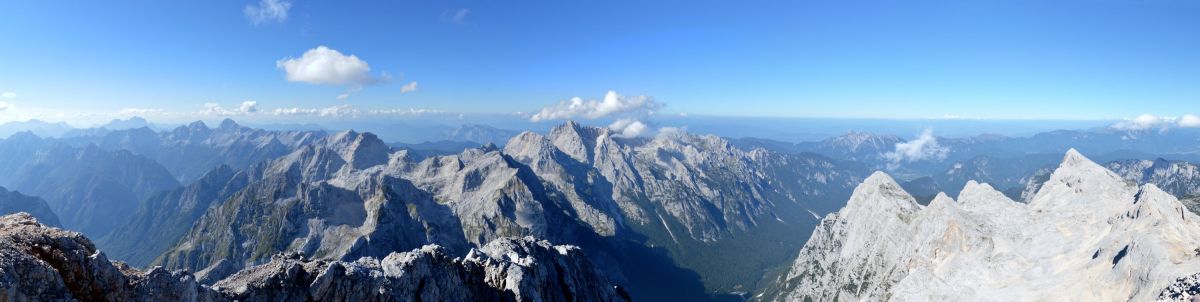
39,263
1087,235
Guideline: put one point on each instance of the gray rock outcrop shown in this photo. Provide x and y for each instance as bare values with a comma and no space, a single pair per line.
40,263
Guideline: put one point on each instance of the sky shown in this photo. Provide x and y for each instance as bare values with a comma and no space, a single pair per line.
89,61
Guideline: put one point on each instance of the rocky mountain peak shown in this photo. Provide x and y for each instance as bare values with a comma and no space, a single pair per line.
1099,238
228,125
23,136
880,193
1150,200
361,150
855,141
197,126
1073,159
977,195
1078,181
194,132
529,146
575,140
940,201
489,147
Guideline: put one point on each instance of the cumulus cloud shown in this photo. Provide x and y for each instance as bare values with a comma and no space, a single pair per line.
1141,122
8,95
267,11
3,106
1189,121
410,87
338,111
1161,123
327,66
612,104
924,147
628,127
246,107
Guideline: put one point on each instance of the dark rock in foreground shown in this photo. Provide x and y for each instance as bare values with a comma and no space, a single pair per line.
40,263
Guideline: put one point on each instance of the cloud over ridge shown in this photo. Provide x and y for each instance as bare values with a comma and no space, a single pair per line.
1161,123
244,108
924,147
612,104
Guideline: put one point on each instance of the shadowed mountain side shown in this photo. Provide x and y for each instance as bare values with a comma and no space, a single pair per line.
89,188
13,202
165,217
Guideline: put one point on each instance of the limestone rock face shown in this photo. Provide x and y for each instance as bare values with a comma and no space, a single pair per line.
698,187
39,263
504,270
1087,235
1180,178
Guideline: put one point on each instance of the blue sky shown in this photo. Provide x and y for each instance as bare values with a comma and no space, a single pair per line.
75,60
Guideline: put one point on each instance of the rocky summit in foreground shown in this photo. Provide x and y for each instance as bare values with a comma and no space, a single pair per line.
40,263
1087,235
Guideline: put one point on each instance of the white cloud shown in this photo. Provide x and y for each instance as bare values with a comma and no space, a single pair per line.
267,11
1141,122
612,104
409,111
410,87
460,15
213,109
8,95
628,127
246,107
337,111
925,147
3,106
326,66
343,96
1189,121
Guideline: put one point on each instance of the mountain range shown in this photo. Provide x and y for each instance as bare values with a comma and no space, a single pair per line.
348,195
673,215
